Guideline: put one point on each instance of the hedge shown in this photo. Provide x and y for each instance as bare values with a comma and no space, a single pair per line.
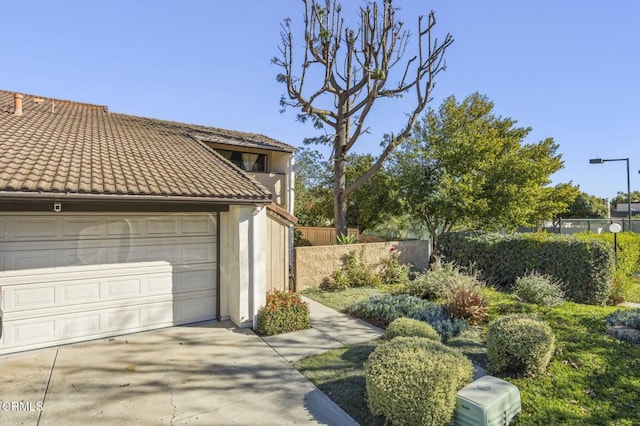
628,249
584,266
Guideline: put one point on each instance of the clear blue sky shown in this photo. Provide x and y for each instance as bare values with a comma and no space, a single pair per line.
568,69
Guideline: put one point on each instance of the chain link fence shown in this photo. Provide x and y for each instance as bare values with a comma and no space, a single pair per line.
597,226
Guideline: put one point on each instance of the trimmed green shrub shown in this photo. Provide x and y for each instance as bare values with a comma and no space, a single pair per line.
414,381
466,302
409,327
436,284
628,249
584,267
392,272
283,312
381,310
518,344
353,273
628,262
539,289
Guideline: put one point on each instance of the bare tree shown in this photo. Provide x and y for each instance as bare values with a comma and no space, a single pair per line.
350,69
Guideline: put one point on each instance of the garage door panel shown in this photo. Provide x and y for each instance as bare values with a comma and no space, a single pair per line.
29,332
194,280
174,251
22,298
192,308
37,227
31,226
73,277
86,324
80,293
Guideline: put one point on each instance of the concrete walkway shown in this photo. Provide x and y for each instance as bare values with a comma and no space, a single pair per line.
330,330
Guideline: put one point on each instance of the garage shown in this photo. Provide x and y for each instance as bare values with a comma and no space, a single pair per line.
69,277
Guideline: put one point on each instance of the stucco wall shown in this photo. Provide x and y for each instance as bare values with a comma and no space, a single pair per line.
314,264
242,263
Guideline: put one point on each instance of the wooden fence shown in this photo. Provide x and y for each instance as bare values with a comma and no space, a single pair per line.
321,236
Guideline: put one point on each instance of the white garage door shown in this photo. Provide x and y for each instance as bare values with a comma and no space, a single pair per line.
72,277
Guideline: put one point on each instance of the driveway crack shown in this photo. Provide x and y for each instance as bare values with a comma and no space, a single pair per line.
175,409
46,390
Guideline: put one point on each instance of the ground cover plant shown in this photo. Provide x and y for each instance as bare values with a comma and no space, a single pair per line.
383,309
592,378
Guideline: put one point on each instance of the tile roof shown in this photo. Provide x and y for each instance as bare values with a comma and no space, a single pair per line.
68,147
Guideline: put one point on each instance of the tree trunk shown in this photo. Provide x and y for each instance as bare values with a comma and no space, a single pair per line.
434,258
340,173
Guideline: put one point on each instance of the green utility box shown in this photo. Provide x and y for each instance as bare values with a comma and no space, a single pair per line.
487,401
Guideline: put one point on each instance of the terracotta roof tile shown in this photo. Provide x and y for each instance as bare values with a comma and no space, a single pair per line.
63,146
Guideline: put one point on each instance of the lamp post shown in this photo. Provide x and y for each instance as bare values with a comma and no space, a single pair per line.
600,161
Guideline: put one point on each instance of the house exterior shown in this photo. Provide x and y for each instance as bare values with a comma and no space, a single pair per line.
112,223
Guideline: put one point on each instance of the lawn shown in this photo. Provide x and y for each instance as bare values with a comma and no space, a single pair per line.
592,378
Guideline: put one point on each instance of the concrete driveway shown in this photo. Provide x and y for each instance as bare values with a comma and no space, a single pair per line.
210,373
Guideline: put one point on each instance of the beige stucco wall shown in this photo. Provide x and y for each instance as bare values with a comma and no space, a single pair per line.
242,263
314,264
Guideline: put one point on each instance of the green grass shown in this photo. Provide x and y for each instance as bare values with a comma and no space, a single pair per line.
592,378
339,300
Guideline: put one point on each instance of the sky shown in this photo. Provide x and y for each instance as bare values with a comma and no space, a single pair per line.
567,69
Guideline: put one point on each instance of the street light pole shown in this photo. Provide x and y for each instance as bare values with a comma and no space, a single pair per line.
600,161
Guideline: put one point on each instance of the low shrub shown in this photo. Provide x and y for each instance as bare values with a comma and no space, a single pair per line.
409,327
436,284
414,381
466,302
353,273
392,272
381,310
283,312
518,344
585,267
627,317
539,289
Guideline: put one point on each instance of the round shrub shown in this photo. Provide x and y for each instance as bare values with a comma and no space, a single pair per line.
284,312
518,344
408,327
414,381
436,284
539,289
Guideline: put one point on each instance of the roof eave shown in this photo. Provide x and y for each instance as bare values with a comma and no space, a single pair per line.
57,196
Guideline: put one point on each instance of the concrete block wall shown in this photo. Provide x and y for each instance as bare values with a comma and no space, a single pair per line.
314,264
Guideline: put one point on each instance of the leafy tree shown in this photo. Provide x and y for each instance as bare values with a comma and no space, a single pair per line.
313,205
552,201
465,167
368,205
621,197
373,202
344,71
585,206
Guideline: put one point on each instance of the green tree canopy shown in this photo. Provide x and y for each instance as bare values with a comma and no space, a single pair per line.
585,206
621,197
369,205
466,167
